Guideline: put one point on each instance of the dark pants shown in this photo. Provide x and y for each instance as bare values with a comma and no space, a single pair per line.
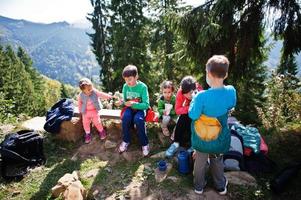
216,168
131,116
183,131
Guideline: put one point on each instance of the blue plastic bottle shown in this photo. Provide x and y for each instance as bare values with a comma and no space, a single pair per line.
183,162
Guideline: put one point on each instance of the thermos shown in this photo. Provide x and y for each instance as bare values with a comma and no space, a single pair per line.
183,162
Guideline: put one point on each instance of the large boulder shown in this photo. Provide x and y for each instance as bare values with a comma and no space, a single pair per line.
71,130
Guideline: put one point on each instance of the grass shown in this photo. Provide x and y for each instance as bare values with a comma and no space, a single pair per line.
113,179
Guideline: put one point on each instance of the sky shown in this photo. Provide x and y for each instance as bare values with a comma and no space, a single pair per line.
48,11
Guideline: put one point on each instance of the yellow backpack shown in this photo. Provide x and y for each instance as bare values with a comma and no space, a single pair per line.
207,128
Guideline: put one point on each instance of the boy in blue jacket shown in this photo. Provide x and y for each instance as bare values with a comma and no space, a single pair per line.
212,104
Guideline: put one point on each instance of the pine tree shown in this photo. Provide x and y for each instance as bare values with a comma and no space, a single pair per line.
64,92
234,29
101,38
17,84
168,58
128,38
6,104
119,39
38,105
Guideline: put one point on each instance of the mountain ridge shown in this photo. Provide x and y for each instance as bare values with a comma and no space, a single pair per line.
59,50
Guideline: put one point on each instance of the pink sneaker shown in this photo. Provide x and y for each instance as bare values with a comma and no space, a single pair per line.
145,150
88,138
102,134
123,147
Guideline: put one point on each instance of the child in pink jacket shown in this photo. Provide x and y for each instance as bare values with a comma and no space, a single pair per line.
89,105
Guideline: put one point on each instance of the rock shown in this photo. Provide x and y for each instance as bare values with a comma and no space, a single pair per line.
132,156
71,130
108,169
15,193
109,144
68,178
70,186
95,192
173,178
75,191
75,157
57,190
161,175
91,173
159,155
164,140
36,123
6,128
240,178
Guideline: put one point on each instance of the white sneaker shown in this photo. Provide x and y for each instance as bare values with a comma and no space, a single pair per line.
223,191
145,150
123,147
198,191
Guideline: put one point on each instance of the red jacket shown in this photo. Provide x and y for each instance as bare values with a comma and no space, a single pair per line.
182,103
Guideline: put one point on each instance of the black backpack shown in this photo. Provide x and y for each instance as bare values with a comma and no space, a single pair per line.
20,151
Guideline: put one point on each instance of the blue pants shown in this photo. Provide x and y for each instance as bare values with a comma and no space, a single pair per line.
131,116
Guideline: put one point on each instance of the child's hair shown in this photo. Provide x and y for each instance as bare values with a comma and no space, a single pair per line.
130,70
218,66
84,82
188,84
167,84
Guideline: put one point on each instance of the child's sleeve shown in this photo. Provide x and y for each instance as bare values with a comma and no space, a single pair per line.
80,103
233,99
103,95
173,111
195,108
161,106
144,104
124,94
180,109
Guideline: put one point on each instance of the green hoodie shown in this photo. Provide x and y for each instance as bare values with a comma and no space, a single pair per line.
137,93
161,106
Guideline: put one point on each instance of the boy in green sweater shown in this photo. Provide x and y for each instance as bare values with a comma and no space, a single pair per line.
136,101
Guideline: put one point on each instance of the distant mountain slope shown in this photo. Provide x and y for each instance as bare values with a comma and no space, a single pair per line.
275,54
59,50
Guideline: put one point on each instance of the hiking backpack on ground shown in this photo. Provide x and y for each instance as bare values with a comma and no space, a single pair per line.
20,151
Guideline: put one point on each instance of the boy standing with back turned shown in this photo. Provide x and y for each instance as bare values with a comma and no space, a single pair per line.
211,107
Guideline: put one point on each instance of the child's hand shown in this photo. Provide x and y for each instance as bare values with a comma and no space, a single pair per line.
129,103
193,155
110,95
165,113
118,102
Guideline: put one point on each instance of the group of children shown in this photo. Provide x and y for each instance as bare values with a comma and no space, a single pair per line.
185,108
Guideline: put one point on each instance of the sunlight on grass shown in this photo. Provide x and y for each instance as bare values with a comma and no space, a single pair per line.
88,165
139,176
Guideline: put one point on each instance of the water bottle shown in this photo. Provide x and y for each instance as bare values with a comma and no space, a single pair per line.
183,162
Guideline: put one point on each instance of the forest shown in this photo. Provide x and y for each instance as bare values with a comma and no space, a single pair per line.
167,40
